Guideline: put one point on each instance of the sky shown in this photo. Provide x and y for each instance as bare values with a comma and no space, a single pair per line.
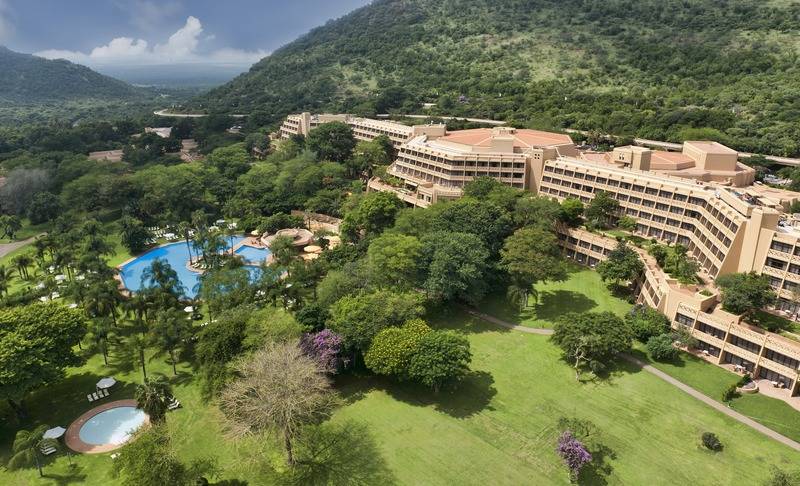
130,33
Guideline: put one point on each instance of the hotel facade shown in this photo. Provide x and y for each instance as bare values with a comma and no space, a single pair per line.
701,197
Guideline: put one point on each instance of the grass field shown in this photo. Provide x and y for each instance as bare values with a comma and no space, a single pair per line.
582,291
498,428
713,380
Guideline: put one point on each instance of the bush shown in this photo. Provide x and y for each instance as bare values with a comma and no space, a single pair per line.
660,348
730,393
711,441
646,322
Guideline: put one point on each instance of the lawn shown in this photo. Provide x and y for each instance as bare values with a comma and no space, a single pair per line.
498,428
582,291
713,380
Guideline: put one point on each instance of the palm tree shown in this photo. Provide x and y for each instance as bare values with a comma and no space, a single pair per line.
154,397
138,344
184,230
27,447
100,330
102,298
6,276
230,233
22,262
517,295
170,330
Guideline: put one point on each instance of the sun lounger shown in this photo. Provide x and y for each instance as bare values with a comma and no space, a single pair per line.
89,397
95,396
102,393
174,405
48,450
115,455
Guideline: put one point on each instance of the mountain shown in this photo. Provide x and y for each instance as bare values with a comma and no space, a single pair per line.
667,69
29,79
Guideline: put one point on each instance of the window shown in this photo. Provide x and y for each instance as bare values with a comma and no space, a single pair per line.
711,330
683,319
782,247
745,344
775,263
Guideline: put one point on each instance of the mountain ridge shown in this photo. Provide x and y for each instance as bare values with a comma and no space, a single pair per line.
25,78
669,69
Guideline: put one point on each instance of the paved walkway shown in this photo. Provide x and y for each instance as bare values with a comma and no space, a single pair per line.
6,248
660,374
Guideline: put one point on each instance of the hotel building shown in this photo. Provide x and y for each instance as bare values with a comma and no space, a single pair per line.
701,197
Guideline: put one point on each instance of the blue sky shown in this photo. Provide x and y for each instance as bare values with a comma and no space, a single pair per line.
152,32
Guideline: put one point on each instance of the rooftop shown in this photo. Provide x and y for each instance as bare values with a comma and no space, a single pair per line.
711,147
523,138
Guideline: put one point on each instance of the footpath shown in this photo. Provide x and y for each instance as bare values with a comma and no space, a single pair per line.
660,374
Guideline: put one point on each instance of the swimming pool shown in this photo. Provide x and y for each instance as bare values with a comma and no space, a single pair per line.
177,255
113,426
251,254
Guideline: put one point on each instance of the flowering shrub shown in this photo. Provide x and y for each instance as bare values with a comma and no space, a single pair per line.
324,347
574,454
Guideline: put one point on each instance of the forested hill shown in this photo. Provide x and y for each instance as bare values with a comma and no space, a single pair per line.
665,69
26,79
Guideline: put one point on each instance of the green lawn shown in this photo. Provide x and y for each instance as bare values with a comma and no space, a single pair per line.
583,291
713,380
498,428
27,231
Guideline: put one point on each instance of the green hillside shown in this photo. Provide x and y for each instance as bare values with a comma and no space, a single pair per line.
28,79
667,69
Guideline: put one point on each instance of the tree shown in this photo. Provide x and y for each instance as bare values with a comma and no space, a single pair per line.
394,260
171,330
711,441
10,225
622,264
660,347
324,347
441,358
780,477
532,255
491,223
45,206
602,210
26,447
392,349
100,329
148,459
225,288
22,262
37,346
222,339
646,322
133,234
536,211
375,212
358,318
6,276
231,161
571,211
745,293
573,453
366,156
161,284
627,223
591,340
283,251
332,141
154,397
457,264
278,389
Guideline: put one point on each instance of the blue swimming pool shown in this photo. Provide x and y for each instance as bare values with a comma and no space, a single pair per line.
113,426
251,254
177,255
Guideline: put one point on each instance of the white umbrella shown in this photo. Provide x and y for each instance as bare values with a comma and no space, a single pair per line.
107,382
54,433
188,308
254,233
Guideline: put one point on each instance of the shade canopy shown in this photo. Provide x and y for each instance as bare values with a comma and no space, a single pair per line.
54,433
106,382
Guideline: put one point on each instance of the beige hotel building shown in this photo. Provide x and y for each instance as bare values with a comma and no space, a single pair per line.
701,197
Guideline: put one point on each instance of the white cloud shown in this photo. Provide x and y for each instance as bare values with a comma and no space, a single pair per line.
184,46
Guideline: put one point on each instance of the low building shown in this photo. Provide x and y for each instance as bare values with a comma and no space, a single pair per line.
109,155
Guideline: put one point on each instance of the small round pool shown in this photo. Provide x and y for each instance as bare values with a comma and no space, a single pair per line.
112,426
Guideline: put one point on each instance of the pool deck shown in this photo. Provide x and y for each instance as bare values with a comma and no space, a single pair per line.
72,437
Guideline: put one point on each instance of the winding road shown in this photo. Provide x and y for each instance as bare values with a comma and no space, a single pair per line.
660,374
6,248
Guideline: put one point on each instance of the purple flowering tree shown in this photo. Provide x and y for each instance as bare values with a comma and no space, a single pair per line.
324,347
574,454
